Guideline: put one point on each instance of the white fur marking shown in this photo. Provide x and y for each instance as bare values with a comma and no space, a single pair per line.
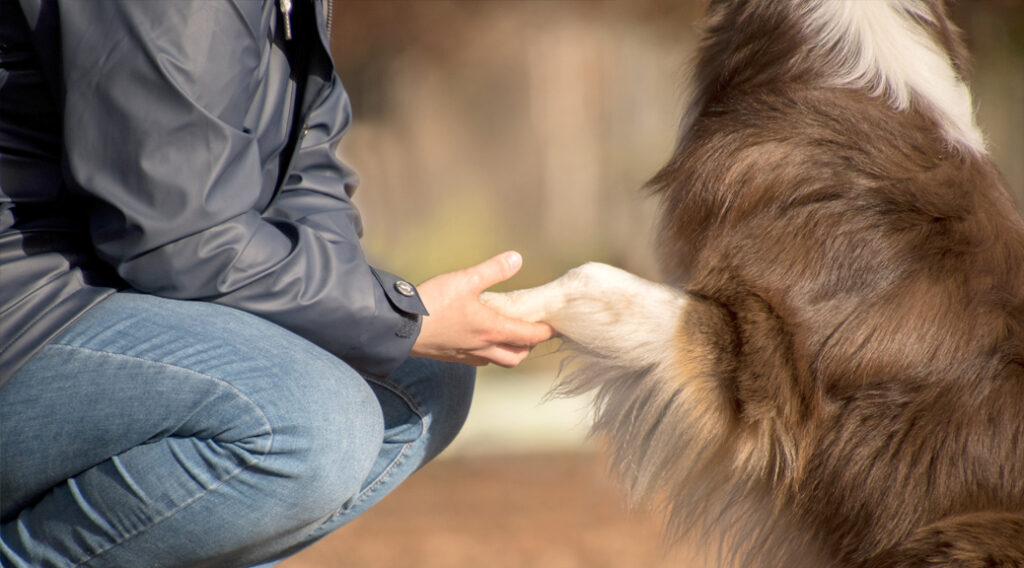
606,311
883,50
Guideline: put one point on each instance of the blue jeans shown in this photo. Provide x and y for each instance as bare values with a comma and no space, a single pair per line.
158,432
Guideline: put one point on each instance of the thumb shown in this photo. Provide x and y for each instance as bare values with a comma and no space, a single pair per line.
495,269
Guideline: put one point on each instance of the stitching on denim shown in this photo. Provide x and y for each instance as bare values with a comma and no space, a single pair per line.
242,395
381,479
400,459
183,506
165,517
401,392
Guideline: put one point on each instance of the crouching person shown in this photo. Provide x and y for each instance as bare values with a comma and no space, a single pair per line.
198,366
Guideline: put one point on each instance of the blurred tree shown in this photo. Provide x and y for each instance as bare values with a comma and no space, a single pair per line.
489,125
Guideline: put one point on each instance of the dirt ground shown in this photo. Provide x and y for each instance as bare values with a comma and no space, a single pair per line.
537,511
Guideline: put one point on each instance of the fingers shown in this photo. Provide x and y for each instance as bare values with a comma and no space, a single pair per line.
465,330
503,355
522,333
495,269
507,356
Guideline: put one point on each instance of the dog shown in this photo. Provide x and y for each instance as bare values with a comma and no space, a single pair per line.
833,372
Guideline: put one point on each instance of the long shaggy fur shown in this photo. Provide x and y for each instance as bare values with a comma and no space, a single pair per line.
836,376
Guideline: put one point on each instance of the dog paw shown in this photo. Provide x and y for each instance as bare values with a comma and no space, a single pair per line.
586,294
521,304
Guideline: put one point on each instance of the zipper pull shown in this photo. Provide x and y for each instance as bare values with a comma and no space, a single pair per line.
286,11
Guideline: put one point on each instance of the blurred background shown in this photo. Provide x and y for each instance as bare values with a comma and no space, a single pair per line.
482,126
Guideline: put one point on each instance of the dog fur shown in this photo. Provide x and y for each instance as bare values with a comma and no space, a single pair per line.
834,375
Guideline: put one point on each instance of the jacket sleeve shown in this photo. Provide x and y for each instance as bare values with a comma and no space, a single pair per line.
156,102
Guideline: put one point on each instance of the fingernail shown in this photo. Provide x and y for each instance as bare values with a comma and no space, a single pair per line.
514,259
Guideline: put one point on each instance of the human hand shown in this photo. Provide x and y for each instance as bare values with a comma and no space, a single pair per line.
461,329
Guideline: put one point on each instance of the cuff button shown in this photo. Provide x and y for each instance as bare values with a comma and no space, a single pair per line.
404,288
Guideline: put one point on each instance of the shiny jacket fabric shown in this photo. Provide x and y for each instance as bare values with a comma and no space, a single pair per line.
187,150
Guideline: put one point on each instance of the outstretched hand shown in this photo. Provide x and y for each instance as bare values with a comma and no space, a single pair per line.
461,329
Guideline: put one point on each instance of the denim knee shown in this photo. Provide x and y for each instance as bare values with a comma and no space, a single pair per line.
325,444
445,403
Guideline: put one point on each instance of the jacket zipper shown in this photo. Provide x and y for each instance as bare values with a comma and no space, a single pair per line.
286,13
329,18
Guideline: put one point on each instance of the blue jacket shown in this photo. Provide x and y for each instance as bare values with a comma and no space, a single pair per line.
187,150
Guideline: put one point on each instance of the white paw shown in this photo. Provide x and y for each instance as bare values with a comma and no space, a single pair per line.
602,309
588,294
526,305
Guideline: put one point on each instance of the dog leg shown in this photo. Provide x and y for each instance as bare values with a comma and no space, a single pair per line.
606,312
657,359
650,373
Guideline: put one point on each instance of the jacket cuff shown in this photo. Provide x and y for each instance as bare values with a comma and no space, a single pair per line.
405,299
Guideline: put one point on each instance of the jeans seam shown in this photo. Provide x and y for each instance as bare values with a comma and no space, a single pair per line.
401,392
169,514
183,506
266,421
381,479
400,459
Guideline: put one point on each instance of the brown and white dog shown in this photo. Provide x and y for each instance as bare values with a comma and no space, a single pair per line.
834,375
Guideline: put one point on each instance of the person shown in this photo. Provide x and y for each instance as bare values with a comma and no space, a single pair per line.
199,367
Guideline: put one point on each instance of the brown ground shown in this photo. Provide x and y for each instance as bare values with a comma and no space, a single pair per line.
542,511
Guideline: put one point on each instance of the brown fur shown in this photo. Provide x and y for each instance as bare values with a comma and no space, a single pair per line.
835,377
861,281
